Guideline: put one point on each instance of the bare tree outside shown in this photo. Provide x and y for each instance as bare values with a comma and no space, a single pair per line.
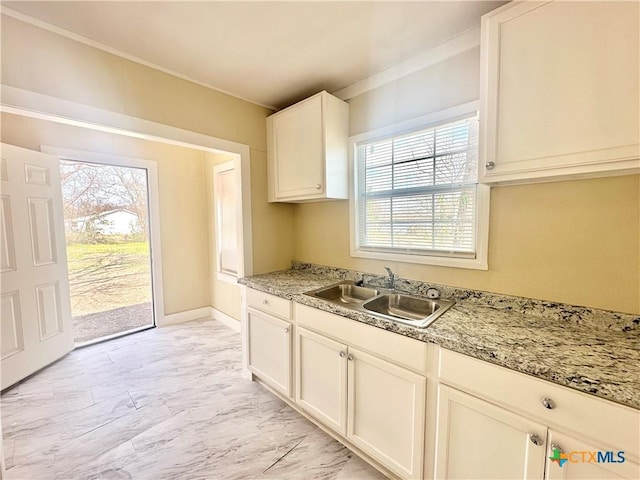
107,232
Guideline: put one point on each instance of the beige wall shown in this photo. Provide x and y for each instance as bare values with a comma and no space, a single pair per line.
575,242
451,82
43,62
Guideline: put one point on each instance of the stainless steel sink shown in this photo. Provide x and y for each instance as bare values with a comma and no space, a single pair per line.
391,305
410,309
346,293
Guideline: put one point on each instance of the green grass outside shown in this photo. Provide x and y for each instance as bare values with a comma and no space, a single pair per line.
77,250
107,276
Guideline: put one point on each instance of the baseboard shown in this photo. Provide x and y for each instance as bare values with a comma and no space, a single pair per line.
186,316
204,312
225,319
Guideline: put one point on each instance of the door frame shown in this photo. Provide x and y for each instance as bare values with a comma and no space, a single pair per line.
155,244
27,103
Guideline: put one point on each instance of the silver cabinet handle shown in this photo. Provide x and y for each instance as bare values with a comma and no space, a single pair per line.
318,186
286,330
535,439
264,302
548,403
342,354
350,357
490,165
555,446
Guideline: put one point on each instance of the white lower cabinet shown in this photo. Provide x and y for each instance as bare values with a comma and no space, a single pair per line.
496,423
321,378
585,461
386,410
269,346
369,386
375,404
477,439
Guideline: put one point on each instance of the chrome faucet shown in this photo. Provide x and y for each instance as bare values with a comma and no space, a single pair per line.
391,281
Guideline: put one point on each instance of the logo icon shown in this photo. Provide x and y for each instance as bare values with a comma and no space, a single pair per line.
586,457
559,457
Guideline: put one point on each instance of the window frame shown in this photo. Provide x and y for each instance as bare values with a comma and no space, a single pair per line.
480,261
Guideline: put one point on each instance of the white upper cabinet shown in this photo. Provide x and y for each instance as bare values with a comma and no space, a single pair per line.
307,150
559,91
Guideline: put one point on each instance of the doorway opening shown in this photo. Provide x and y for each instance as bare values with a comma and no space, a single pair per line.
107,231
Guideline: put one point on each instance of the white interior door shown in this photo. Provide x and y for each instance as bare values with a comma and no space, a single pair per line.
36,326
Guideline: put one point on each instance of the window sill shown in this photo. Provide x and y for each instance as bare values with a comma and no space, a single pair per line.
470,263
228,278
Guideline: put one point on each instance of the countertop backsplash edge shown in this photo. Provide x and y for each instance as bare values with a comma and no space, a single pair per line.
593,317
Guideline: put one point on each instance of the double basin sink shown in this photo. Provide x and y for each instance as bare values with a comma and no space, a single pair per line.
389,304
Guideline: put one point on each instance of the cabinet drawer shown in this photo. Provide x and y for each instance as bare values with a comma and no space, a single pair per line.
401,350
276,306
605,421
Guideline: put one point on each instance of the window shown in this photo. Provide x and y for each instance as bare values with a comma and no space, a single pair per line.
225,194
417,198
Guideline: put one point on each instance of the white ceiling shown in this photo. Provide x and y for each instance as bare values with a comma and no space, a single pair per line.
272,53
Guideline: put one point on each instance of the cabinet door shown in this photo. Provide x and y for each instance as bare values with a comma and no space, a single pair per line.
321,381
585,461
386,412
477,439
298,147
560,91
270,350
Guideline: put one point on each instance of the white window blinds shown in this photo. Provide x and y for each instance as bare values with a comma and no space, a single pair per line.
417,192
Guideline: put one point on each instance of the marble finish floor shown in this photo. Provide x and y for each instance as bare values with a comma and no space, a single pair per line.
167,403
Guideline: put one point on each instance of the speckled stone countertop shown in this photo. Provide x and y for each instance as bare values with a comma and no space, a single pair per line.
593,351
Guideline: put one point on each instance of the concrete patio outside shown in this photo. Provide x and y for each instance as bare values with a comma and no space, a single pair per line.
101,324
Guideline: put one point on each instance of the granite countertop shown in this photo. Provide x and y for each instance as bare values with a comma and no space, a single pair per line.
593,351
